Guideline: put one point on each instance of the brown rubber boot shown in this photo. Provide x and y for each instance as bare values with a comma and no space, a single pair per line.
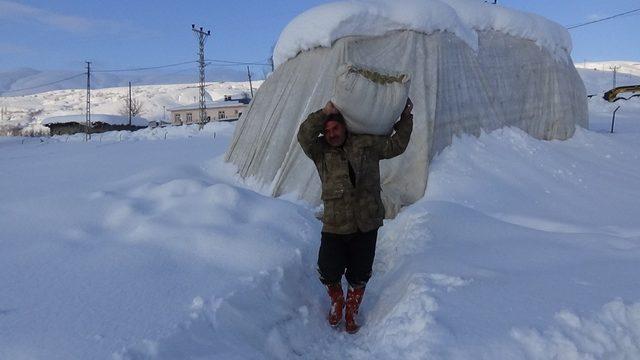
337,303
354,299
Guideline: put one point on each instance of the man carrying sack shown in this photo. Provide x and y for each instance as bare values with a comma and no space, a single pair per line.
348,165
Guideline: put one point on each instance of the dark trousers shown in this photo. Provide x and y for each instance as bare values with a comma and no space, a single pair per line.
351,252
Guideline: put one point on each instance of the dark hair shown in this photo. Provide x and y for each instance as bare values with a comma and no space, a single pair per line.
337,117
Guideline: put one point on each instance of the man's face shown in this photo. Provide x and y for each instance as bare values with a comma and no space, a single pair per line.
335,133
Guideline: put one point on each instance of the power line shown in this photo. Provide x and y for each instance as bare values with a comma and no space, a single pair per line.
226,62
43,85
238,62
147,68
221,63
604,19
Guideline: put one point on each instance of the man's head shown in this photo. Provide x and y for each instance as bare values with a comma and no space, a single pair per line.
335,130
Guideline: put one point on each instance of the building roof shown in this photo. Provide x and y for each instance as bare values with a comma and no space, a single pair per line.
212,104
104,118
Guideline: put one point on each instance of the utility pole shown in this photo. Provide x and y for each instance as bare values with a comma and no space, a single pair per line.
130,103
87,134
202,38
250,85
615,71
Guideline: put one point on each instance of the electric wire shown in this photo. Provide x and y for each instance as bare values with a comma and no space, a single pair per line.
238,62
145,68
43,85
211,62
603,19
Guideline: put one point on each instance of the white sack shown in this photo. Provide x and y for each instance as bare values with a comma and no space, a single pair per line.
371,100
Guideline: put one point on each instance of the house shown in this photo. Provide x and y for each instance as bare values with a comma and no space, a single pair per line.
228,109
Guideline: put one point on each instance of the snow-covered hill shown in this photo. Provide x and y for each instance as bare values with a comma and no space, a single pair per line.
623,67
32,80
30,110
597,83
145,245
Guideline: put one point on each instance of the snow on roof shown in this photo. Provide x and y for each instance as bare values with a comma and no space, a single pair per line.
322,25
211,105
107,119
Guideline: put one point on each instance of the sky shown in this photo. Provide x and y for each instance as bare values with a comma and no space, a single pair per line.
63,34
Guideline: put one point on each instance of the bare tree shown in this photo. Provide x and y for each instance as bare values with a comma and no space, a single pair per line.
137,107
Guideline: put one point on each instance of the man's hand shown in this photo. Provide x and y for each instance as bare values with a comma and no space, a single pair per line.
406,113
330,109
407,108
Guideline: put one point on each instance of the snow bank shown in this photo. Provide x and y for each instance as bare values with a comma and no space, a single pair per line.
612,333
322,25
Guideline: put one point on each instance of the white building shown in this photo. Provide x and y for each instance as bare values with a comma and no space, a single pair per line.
222,110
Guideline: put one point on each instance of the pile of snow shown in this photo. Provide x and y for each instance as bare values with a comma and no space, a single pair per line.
103,118
612,333
324,24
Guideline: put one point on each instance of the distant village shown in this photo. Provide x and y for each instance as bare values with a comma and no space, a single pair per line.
229,108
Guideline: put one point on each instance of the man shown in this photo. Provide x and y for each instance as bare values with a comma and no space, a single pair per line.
348,165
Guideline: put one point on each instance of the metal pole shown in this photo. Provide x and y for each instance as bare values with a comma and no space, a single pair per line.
202,38
615,72
250,85
130,104
613,120
87,134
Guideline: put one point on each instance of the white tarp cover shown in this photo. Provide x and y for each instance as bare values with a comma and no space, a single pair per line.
370,100
508,81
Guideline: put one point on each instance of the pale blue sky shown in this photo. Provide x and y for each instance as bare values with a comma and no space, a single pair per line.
62,34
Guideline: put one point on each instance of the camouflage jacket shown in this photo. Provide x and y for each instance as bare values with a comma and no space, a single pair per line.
348,207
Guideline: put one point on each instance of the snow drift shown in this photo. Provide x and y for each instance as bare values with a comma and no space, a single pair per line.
473,67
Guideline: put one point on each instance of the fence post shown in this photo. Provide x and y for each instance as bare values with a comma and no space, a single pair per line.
613,120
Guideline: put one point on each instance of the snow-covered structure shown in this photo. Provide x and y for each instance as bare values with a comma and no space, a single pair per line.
474,67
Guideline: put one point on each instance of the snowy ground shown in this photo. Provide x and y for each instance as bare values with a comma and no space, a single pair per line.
145,245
